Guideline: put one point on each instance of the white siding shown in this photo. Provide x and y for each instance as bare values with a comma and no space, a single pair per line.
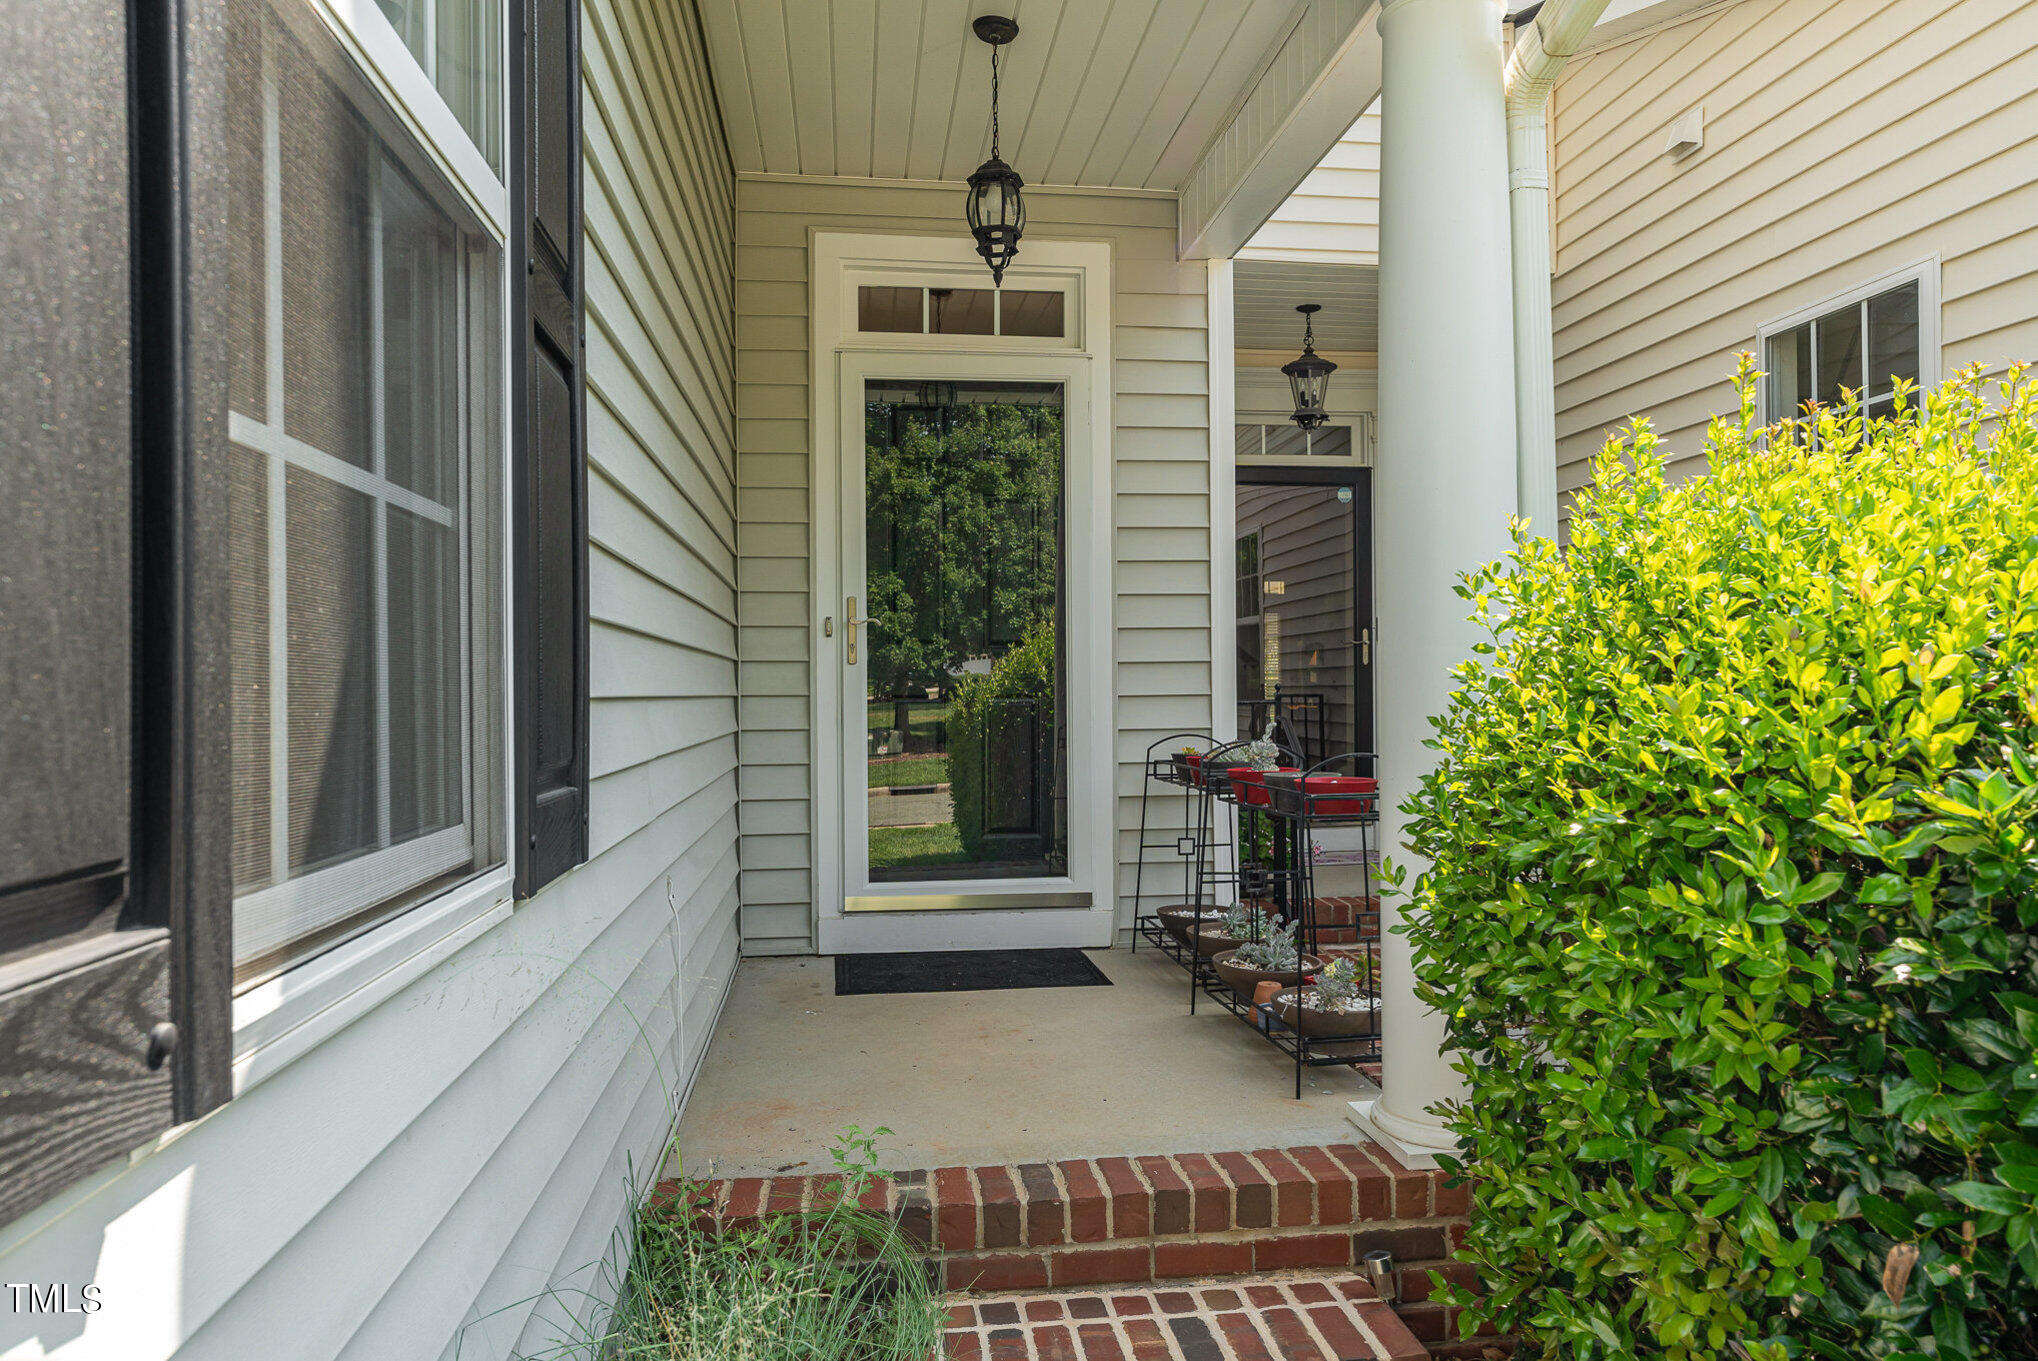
464,1145
1333,217
1161,506
1842,139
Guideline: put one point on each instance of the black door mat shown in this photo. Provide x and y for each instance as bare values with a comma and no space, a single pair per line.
965,971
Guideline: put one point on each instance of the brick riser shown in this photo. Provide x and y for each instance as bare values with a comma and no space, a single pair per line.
1341,921
1129,1221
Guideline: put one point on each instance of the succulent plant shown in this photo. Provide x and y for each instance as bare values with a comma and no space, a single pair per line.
1276,953
1262,753
1339,985
1240,922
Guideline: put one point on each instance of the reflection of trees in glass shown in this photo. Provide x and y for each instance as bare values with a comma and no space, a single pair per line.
962,534
1001,763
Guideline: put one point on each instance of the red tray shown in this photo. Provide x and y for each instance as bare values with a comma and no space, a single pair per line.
1364,789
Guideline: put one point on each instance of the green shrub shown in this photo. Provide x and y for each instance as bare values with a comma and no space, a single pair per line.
1731,895
980,721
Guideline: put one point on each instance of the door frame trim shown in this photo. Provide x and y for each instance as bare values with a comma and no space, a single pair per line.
836,356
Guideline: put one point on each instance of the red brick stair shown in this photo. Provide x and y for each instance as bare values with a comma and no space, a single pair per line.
1145,1221
1317,1316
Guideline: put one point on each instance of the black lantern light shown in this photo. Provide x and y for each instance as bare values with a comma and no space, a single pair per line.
997,215
1309,375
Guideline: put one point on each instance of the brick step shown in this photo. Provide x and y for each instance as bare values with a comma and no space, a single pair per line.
1128,1220
1297,1316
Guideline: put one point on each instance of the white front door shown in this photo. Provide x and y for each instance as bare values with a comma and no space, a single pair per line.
974,767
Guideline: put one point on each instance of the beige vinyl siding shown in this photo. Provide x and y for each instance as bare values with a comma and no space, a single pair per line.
1334,215
1306,545
414,1184
1843,139
1161,502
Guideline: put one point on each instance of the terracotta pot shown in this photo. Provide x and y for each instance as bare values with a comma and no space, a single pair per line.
1244,980
1318,1025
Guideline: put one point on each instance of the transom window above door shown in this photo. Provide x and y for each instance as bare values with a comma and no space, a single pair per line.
894,310
1852,347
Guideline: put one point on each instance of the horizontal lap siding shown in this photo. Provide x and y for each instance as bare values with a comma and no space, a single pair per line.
1843,138
1161,503
1334,214
415,1185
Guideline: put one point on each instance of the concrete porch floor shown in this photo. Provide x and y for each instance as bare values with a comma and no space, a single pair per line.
1027,1075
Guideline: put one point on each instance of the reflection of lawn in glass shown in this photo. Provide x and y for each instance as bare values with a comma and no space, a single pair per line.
905,847
886,771
921,714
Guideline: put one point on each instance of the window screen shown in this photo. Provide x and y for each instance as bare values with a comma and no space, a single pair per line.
364,389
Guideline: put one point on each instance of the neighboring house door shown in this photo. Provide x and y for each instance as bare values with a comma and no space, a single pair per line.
1304,608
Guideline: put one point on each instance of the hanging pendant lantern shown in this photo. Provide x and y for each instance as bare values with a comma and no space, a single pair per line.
1309,374
997,214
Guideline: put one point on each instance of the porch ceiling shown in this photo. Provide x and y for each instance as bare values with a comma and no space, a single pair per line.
1265,294
1123,93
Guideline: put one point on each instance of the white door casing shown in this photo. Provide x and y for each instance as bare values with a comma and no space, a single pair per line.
959,914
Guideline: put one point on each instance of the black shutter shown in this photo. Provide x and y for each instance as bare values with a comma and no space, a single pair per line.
549,444
115,950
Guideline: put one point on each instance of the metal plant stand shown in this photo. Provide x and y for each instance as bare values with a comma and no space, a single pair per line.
1167,770
1223,820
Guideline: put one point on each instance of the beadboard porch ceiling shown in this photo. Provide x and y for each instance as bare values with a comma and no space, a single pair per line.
1105,93
1266,292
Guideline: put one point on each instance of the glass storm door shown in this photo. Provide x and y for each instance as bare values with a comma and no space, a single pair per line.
1304,610
955,682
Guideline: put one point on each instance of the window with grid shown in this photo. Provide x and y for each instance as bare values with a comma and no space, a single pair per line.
1248,602
1854,349
365,397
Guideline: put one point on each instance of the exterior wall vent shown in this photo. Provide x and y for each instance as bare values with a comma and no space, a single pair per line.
1687,134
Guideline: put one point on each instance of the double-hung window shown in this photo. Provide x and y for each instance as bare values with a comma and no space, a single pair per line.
282,422
366,434
1853,347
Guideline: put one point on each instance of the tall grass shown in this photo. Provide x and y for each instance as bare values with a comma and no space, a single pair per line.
834,1283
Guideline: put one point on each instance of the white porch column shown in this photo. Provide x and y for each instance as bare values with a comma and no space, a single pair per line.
1444,484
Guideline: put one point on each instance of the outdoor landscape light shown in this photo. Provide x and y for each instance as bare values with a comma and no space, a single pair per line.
997,215
1309,374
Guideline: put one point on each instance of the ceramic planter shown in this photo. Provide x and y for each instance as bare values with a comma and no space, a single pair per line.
1244,978
1249,786
1180,920
1328,1025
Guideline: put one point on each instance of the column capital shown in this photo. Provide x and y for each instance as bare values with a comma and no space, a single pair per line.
1393,7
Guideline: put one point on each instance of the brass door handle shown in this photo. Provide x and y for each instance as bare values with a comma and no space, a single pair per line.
850,623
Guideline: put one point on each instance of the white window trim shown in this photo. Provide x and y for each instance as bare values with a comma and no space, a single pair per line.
1360,423
394,73
841,356
287,1016
907,274
1925,273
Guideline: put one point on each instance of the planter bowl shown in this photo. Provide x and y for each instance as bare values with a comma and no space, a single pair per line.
1244,979
1213,942
1180,919
1327,1025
